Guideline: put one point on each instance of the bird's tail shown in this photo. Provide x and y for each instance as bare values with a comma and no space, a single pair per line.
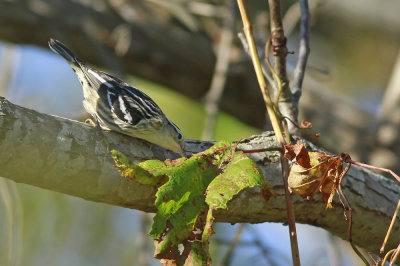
59,48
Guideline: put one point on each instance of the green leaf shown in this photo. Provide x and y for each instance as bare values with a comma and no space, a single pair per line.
140,172
190,189
180,200
198,255
241,173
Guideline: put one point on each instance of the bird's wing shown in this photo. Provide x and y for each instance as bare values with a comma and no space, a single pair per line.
126,102
129,104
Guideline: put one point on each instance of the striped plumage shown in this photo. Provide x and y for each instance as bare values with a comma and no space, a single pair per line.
117,106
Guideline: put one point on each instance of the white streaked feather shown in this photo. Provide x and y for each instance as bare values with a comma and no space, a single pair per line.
153,125
109,93
108,84
127,115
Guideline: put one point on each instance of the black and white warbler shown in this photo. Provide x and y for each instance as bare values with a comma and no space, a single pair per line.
117,106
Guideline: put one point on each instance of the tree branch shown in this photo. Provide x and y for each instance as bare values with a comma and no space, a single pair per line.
153,54
73,158
279,51
304,51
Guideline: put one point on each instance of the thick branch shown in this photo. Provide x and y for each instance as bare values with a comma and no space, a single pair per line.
73,158
153,53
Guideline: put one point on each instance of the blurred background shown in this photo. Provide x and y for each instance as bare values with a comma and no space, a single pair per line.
186,55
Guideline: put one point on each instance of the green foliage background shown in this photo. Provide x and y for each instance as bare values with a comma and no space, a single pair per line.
189,115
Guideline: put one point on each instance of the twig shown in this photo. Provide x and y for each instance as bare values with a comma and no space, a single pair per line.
390,227
304,51
377,168
395,256
264,67
349,216
346,158
278,41
260,77
290,212
387,256
260,150
235,242
220,72
348,209
275,125
279,51
276,78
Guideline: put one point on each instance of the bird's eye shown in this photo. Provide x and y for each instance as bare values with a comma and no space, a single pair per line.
179,136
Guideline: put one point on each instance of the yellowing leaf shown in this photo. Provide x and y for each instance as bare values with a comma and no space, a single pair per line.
189,190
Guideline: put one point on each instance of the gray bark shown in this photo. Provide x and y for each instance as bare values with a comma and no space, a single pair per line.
74,158
144,39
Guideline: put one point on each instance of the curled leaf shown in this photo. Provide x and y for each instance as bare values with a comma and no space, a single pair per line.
299,152
313,172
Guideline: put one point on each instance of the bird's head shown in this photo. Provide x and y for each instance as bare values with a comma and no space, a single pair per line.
175,140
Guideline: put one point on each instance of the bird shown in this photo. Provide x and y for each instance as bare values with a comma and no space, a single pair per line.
117,106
